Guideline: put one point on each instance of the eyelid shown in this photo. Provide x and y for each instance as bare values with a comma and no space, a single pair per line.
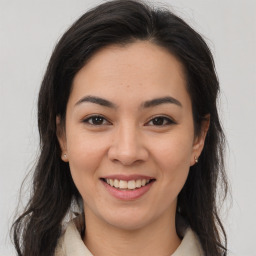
167,120
87,118
170,120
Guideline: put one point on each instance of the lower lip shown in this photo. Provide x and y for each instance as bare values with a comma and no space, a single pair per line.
127,194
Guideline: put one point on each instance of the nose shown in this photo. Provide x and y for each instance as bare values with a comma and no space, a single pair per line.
127,146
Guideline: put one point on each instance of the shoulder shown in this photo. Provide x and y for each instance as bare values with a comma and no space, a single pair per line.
71,243
59,251
190,245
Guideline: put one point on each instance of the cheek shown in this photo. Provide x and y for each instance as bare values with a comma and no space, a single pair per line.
85,156
173,158
175,151
85,153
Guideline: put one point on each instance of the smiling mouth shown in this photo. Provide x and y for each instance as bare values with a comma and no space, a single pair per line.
127,185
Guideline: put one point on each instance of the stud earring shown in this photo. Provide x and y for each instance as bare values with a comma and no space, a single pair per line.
196,159
65,155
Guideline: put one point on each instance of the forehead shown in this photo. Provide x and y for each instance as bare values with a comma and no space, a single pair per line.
136,70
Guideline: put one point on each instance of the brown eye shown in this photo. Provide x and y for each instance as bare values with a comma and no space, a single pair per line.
160,121
96,120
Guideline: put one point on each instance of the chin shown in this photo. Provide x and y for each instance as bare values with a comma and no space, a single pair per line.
129,220
128,225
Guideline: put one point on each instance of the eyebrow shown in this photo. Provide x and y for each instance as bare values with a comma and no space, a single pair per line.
159,101
96,100
146,104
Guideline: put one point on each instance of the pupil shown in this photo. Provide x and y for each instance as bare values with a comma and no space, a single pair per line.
97,120
158,121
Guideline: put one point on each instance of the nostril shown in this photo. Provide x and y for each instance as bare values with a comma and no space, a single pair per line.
128,150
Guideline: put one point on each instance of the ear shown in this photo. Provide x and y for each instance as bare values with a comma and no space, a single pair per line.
61,135
199,140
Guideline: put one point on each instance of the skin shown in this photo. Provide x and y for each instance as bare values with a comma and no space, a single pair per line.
128,141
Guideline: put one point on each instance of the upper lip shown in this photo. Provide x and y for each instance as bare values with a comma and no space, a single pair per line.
128,177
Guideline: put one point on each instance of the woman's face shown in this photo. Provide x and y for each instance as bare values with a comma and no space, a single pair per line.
129,122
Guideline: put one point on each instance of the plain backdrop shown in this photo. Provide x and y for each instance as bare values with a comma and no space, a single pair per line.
29,29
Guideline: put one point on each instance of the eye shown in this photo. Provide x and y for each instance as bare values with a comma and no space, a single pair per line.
160,121
96,120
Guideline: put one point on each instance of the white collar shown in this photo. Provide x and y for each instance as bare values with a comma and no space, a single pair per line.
71,244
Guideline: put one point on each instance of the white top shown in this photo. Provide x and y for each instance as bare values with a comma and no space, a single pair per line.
71,244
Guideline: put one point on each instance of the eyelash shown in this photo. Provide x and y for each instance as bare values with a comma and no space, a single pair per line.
90,119
164,121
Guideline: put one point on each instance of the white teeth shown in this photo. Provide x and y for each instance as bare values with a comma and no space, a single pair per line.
123,184
116,183
131,184
138,183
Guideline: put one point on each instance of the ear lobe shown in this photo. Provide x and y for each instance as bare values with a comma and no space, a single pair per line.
60,133
200,139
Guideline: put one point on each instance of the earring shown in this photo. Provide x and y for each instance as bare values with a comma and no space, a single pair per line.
64,157
196,159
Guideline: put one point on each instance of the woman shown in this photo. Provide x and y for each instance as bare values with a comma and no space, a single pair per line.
130,137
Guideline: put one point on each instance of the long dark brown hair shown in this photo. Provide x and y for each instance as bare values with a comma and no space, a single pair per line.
37,230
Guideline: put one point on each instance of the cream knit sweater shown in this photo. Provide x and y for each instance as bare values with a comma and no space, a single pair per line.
71,244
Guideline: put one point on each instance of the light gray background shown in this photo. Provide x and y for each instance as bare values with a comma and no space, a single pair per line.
29,30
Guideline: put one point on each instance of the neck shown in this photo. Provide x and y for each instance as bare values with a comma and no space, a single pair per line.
158,238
